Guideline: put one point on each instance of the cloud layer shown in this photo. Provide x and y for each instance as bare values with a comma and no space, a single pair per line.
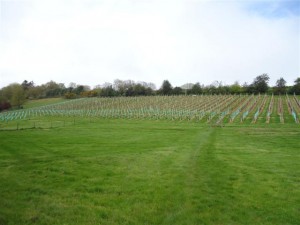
91,42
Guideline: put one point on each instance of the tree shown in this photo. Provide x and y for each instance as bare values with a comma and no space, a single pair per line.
4,103
108,92
260,83
7,92
216,87
280,87
70,95
13,94
72,85
166,88
139,89
26,85
296,88
196,89
150,91
148,85
177,91
124,87
18,95
78,89
53,89
210,89
143,88
35,92
235,88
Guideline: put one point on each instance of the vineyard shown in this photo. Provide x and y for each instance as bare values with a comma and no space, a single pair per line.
211,109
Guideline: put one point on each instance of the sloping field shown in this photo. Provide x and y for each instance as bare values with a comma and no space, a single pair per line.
212,109
152,160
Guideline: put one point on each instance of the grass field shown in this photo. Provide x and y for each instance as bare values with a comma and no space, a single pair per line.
42,102
117,171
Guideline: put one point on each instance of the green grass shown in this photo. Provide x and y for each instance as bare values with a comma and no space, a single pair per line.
42,102
150,172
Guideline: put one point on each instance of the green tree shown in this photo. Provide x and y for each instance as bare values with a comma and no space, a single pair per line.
4,102
124,87
35,92
7,92
70,95
139,89
53,89
177,91
78,89
235,88
296,88
18,95
260,83
108,91
166,88
280,87
14,94
26,85
196,89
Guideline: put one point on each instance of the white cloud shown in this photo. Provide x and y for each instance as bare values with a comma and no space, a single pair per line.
183,41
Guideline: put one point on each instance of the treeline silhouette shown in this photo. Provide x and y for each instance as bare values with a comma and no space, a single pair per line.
14,95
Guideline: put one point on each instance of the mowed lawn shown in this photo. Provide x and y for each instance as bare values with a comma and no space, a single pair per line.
150,172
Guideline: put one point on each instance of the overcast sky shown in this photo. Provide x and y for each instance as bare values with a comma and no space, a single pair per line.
92,42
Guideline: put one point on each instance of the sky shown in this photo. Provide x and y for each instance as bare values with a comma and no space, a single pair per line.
184,41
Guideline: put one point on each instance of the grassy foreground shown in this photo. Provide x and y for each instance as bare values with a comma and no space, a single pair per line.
150,172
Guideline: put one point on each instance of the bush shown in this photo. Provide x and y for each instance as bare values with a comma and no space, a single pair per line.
5,106
88,94
70,95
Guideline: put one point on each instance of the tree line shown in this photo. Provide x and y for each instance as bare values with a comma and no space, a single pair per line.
14,95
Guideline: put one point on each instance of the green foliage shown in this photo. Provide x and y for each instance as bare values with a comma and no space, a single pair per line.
177,91
141,90
7,93
130,88
236,88
296,88
88,94
108,92
260,84
196,89
13,94
53,89
27,85
70,95
280,87
166,88
18,97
